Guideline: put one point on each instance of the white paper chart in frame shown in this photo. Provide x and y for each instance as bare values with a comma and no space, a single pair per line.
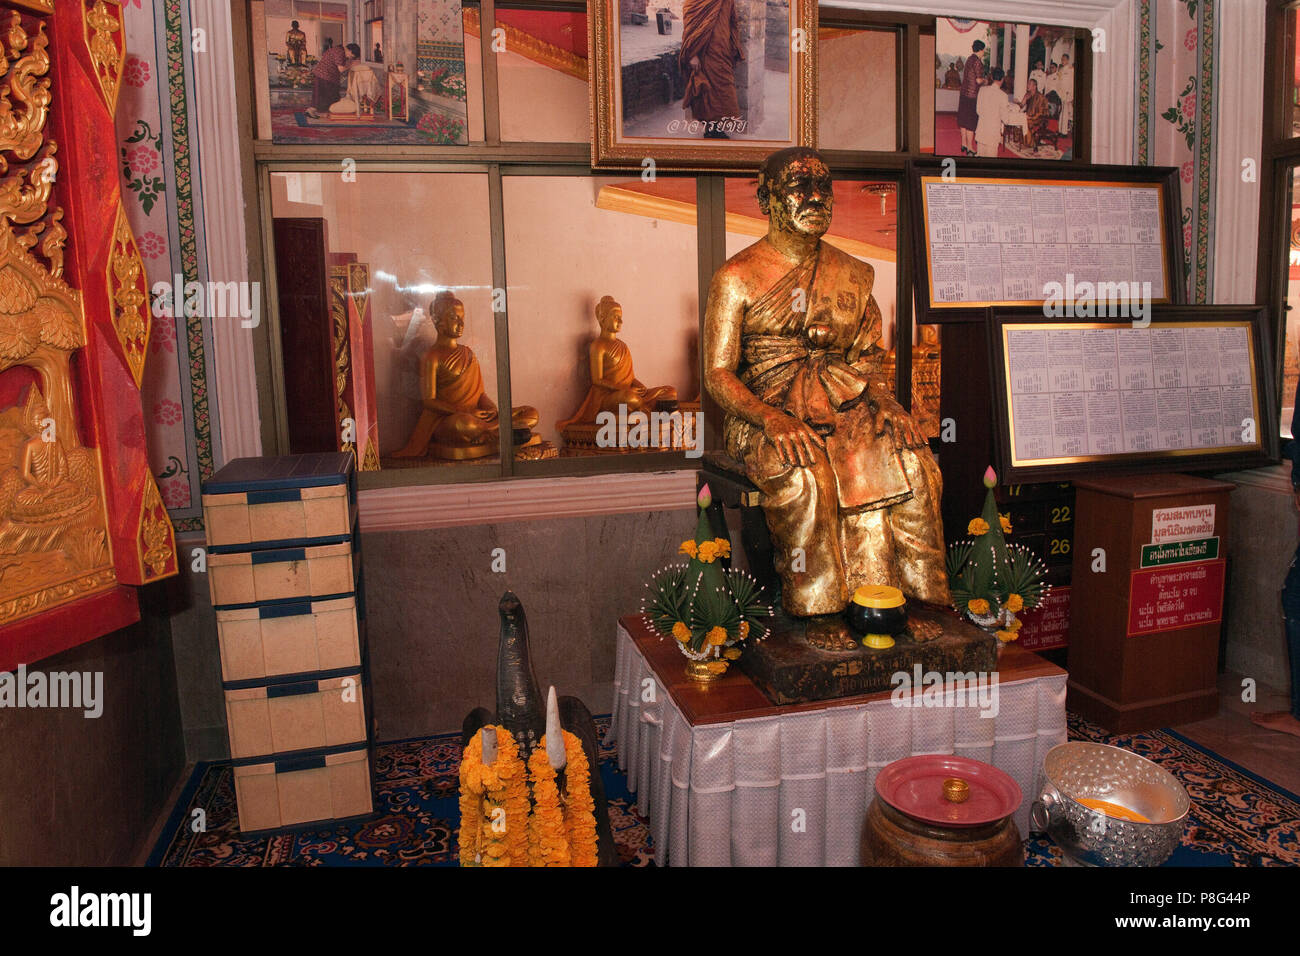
1079,392
1003,241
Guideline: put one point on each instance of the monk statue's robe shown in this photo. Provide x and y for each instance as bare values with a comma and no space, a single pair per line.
457,412
711,32
618,373
1037,113
866,511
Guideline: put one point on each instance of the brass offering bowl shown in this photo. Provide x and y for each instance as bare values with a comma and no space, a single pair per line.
956,790
877,613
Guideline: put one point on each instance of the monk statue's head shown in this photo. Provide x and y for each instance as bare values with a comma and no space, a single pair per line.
448,315
609,314
794,191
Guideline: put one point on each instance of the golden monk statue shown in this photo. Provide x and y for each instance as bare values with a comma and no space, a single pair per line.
459,421
792,354
295,44
613,382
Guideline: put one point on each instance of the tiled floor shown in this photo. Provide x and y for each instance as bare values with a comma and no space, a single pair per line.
1231,734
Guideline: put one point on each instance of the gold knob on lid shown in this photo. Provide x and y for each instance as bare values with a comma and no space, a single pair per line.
956,790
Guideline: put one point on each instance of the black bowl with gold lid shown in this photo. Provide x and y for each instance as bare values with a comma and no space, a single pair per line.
877,613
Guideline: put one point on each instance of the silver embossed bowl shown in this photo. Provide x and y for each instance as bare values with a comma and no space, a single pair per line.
1100,774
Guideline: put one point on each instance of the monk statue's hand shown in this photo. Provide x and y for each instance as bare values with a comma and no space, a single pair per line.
795,442
906,432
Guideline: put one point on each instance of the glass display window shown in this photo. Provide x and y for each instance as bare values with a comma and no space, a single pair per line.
352,255
603,298
857,89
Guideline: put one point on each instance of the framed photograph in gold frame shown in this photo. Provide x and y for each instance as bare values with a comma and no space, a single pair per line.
1012,234
1190,390
700,84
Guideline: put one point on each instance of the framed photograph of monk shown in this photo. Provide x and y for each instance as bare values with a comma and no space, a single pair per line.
360,71
700,84
1004,90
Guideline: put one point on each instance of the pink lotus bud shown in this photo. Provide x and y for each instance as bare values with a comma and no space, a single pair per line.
705,498
990,477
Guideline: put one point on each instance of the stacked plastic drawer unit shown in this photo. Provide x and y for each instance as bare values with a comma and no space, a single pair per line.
284,566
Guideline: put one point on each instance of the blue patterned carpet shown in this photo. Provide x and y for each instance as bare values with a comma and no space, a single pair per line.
1237,818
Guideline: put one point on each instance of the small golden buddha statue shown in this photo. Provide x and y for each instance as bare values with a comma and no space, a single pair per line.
51,490
459,421
613,381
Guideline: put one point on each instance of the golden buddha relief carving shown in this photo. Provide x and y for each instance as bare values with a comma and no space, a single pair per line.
54,541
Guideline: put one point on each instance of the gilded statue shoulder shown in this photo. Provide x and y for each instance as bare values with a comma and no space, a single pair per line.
860,273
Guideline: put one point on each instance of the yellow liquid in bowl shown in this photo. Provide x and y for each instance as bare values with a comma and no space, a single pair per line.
1112,810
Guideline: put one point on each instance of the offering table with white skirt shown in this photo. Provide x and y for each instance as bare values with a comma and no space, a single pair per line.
728,778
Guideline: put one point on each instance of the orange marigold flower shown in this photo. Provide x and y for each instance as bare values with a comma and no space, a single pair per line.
724,547
1007,636
1006,523
977,527
681,632
731,653
1014,603
717,636
687,548
978,606
717,667
707,552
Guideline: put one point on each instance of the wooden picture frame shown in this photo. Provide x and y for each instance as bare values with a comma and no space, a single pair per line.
1064,392
927,178
636,67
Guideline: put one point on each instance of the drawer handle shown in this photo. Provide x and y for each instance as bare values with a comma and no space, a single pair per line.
275,497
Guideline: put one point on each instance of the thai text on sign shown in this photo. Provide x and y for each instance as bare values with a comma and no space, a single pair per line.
1166,599
1180,552
1181,524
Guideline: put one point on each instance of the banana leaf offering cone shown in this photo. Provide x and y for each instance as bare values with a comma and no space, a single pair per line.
993,581
706,607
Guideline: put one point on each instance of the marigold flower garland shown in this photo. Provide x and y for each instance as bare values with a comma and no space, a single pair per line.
543,830
489,837
562,833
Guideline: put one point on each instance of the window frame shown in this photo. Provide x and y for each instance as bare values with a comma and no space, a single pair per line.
1280,154
498,158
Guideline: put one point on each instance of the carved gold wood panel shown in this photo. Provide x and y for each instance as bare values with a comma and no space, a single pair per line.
54,540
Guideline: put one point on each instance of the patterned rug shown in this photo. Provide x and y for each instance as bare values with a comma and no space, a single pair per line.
1237,818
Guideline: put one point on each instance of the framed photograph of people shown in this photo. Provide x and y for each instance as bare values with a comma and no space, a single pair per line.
360,71
1190,389
1080,241
700,84
1004,90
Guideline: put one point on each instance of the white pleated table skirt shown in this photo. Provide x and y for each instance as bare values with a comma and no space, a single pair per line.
793,790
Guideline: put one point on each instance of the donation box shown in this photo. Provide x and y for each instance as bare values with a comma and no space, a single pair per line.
1147,600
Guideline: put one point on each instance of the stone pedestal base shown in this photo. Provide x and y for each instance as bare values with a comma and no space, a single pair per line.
790,670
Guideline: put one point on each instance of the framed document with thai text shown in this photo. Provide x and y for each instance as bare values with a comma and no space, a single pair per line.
1083,242
1190,389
